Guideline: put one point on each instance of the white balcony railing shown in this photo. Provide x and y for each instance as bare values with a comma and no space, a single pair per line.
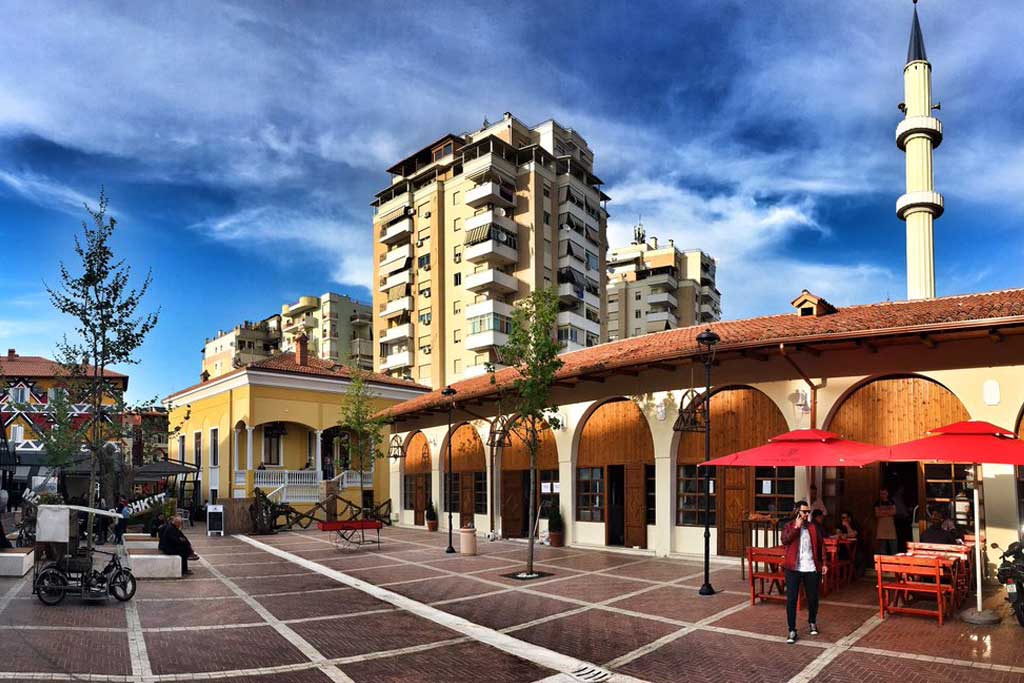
296,486
394,361
486,339
356,479
396,306
491,251
396,231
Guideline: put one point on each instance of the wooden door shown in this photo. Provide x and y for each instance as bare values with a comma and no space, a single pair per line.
635,531
466,480
513,515
734,503
420,506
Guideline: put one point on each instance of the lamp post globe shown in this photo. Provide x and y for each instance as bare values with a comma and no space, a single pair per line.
449,393
707,341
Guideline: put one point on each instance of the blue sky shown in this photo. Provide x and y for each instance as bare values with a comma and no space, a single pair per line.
241,143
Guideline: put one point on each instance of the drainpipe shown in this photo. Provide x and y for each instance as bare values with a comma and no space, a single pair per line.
813,387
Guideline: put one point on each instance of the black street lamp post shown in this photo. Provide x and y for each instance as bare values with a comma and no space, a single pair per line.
707,340
449,393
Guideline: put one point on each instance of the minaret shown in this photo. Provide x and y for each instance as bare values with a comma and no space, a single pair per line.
917,135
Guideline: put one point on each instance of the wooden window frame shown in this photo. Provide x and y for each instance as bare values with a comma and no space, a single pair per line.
783,502
590,502
408,491
480,493
692,514
455,499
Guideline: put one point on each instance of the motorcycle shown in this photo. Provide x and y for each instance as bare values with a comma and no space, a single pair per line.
1011,575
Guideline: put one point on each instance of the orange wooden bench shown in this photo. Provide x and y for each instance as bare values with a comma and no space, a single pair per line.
900,576
766,573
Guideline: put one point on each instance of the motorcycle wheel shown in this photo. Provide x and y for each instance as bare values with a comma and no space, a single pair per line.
1018,610
122,585
50,586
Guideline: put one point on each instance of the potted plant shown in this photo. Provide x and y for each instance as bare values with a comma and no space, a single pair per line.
431,516
556,528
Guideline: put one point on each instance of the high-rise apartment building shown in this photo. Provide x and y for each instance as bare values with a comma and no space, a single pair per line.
652,288
336,327
470,224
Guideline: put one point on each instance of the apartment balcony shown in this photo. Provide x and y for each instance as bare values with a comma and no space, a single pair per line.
578,321
396,333
663,299
396,232
304,304
581,213
570,293
402,277
397,360
301,324
393,308
709,309
491,251
390,260
491,280
497,217
361,319
485,340
488,307
480,369
592,300
490,193
666,280
487,163
362,349
659,318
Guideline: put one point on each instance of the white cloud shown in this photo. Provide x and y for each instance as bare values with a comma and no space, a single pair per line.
46,192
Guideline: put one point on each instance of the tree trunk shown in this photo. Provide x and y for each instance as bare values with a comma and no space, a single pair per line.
533,491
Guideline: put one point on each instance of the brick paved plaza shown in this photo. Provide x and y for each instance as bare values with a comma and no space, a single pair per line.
291,607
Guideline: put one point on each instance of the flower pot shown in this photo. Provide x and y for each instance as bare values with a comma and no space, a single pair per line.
431,525
556,539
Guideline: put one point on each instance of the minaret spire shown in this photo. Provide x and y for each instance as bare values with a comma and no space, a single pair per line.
918,135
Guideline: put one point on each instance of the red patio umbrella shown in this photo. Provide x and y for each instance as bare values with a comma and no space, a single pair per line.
802,448
971,442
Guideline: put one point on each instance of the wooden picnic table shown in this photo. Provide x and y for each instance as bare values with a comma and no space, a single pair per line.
768,576
939,575
840,569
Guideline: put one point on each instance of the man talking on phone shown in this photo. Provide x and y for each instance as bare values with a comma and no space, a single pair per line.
804,542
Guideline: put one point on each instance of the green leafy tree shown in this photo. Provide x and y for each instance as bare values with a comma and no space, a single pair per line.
363,427
532,353
109,328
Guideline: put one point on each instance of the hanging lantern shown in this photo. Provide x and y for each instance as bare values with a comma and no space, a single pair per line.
692,414
395,450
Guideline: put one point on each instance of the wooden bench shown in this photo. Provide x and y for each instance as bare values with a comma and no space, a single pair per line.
16,561
965,574
766,574
903,576
352,532
153,564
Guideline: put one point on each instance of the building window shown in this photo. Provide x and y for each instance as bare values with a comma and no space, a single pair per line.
56,393
425,373
638,314
547,190
548,492
455,197
480,493
17,433
458,279
310,448
690,495
181,448
590,494
272,450
636,296
454,497
423,262
457,224
198,450
18,395
773,489
214,448
425,292
408,492
456,307
457,335
457,366
425,317
547,218
942,483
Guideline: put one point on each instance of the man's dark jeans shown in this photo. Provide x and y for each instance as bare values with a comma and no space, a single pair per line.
184,551
810,581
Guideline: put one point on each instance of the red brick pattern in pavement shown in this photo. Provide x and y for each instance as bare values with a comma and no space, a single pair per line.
506,609
168,613
371,633
320,604
92,652
595,636
310,675
769,618
592,561
227,649
702,657
285,584
461,663
444,588
401,572
859,667
593,587
165,590
679,603
29,611
250,570
657,570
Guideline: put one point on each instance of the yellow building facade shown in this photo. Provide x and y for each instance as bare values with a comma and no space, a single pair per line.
273,424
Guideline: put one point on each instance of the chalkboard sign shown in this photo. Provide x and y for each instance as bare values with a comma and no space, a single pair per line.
214,520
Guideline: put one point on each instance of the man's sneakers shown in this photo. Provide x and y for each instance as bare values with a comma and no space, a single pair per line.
193,557
814,629
792,637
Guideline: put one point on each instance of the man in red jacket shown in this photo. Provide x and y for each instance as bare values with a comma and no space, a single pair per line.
804,541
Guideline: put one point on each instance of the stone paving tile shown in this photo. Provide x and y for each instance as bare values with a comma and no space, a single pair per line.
462,663
322,553
592,561
92,652
346,564
72,612
498,575
769,618
726,579
371,633
592,587
219,650
310,675
506,609
415,554
461,563
190,613
285,584
173,588
858,667
595,635
656,570
703,657
680,603
320,604
541,553
401,572
443,588
7,584
239,558
954,639
282,568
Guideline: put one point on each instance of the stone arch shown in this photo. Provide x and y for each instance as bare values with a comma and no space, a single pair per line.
886,410
742,417
469,472
614,470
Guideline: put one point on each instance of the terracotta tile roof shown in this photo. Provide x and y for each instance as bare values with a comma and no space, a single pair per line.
285,363
851,322
14,365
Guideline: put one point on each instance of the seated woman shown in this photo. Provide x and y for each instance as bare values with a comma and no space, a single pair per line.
848,529
173,542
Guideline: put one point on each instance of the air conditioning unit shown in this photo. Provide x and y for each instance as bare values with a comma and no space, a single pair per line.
419,243
499,212
426,214
458,258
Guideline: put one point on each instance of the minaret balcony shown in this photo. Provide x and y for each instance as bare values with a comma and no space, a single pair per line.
919,201
912,126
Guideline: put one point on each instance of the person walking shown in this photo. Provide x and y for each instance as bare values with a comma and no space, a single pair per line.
804,564
122,521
